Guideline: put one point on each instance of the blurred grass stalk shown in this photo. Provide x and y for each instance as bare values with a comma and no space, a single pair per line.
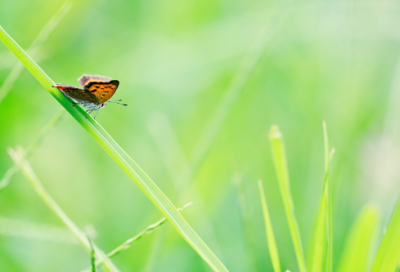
17,157
279,158
273,250
388,254
246,218
34,49
32,148
130,167
35,230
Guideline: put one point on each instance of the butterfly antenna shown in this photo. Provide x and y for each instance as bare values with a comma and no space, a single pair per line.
115,101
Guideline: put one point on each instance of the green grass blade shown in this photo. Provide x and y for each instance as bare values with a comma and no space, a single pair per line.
92,256
320,236
273,250
32,148
17,157
388,255
322,251
141,179
33,49
279,157
144,232
328,195
357,249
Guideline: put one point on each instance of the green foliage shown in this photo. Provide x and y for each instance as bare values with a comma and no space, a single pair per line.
120,157
219,73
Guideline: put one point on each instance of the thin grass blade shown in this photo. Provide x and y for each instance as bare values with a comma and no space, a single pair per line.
17,157
322,251
127,244
273,250
92,256
32,148
359,242
246,218
320,236
388,255
328,195
142,180
279,158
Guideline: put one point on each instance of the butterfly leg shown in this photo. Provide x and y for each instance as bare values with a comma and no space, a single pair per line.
96,114
88,113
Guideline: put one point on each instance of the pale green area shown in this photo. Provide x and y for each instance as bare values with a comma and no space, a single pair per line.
334,60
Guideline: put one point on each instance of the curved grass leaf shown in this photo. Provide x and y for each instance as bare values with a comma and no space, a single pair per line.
388,255
358,246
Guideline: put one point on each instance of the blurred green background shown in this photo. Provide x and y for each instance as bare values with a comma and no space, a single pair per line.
336,61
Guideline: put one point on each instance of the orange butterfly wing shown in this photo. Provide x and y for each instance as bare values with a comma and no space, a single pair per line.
102,90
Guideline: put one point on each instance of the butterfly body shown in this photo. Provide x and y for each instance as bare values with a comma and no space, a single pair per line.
95,92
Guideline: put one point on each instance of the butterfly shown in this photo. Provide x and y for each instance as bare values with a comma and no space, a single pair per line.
94,94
